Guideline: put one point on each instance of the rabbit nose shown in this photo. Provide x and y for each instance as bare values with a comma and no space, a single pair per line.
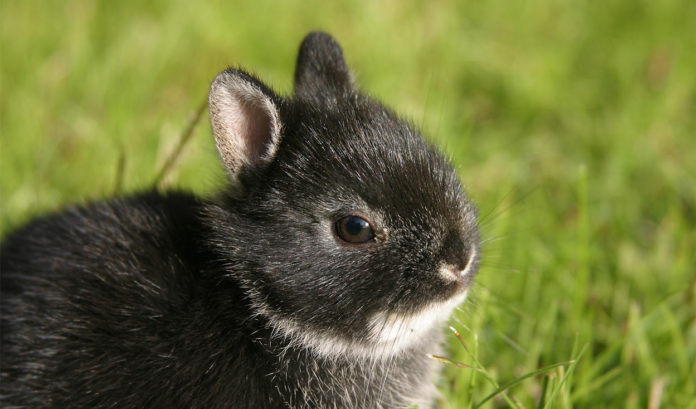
455,251
456,256
458,272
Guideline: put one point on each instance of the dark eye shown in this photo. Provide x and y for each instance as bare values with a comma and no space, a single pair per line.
354,229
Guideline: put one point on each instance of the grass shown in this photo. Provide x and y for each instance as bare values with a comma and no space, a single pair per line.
572,124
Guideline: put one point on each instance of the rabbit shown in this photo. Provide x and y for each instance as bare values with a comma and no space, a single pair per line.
321,277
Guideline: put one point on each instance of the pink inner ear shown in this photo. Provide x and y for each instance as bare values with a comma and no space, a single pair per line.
255,130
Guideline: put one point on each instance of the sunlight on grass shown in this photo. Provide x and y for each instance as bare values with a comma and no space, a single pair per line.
571,124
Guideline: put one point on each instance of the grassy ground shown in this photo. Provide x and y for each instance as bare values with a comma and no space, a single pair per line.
573,124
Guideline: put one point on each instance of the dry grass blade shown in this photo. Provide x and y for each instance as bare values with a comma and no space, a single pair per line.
657,388
451,362
120,171
459,337
183,140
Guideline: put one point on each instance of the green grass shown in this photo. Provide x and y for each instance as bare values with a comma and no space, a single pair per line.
573,125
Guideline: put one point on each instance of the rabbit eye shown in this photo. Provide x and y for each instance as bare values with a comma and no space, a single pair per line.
354,229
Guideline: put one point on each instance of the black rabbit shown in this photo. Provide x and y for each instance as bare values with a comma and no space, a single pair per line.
320,279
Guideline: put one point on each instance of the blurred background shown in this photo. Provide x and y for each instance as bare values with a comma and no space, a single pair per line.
572,124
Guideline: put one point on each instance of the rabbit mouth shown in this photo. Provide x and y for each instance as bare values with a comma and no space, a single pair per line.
400,330
389,333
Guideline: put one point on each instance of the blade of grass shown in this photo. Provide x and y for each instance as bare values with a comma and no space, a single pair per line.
120,172
566,376
451,362
482,369
472,378
544,389
596,383
520,379
194,119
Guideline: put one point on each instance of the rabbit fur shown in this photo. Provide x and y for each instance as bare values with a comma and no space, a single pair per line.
249,299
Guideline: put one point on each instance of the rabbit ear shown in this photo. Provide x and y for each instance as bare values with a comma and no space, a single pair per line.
245,120
321,72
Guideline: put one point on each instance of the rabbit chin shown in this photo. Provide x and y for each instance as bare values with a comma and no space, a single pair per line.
389,333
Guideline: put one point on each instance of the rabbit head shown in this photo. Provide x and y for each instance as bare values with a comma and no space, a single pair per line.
347,230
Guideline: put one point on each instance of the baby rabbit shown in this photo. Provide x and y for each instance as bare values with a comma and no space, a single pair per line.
321,278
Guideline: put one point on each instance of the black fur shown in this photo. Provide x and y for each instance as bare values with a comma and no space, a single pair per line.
166,300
